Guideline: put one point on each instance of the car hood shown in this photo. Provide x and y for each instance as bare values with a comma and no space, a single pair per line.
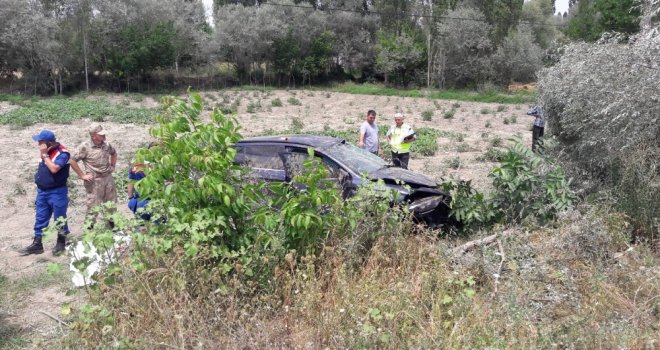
407,176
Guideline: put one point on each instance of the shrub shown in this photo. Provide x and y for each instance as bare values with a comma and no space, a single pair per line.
253,107
449,114
492,155
427,115
293,101
276,102
454,163
296,125
527,185
604,114
426,143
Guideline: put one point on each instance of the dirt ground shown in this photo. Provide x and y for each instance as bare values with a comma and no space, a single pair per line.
480,123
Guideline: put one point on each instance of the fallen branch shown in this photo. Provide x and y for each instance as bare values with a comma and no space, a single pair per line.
499,270
478,243
472,244
54,317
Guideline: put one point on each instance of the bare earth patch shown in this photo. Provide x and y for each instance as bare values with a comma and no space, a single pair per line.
480,123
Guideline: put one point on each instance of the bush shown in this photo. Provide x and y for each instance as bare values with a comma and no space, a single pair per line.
604,115
426,143
276,102
526,186
294,101
427,115
253,107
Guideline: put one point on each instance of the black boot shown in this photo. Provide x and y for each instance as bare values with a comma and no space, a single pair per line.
35,248
60,246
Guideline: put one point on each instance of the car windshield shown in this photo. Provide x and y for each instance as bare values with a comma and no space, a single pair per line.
356,159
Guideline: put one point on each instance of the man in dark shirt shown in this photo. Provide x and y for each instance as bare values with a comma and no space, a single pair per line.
52,193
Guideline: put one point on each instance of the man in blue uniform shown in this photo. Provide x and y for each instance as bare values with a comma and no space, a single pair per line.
52,193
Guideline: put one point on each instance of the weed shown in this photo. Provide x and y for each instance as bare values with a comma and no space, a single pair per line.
427,115
485,110
513,119
492,155
488,124
449,114
293,101
296,125
456,105
66,110
18,190
506,121
453,163
464,147
496,141
253,107
276,102
502,108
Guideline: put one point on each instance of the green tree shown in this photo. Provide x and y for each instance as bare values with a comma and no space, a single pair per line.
594,17
502,15
319,57
399,56
142,48
618,15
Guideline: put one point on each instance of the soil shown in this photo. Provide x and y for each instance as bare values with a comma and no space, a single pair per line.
481,123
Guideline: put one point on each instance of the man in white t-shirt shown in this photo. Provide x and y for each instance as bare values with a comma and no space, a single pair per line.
368,135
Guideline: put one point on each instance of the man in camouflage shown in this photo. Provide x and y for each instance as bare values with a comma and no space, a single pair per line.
99,158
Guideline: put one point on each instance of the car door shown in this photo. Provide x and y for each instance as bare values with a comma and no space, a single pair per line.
295,157
263,160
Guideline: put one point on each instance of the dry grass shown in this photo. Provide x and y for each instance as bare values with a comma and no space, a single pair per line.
575,285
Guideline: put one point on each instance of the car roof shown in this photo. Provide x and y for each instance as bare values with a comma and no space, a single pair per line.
315,141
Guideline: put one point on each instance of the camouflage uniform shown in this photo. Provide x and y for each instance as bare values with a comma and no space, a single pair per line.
97,162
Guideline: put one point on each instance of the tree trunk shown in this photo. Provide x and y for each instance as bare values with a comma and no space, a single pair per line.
84,13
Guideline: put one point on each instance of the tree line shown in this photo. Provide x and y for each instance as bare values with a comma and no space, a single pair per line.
56,46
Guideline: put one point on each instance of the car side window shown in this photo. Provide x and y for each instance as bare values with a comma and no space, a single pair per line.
295,162
260,157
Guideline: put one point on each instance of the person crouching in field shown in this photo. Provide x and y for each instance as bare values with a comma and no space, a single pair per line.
99,158
52,192
135,174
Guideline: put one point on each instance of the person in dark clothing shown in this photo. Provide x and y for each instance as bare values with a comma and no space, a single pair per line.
52,192
539,126
135,174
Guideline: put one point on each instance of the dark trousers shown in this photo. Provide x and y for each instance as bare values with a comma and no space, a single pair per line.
50,203
400,159
537,134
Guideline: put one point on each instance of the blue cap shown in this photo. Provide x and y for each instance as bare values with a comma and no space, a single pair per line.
44,135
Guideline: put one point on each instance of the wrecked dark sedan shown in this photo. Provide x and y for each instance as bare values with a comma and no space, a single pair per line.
273,158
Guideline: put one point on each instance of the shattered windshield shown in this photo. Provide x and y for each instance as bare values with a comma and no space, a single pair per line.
357,159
